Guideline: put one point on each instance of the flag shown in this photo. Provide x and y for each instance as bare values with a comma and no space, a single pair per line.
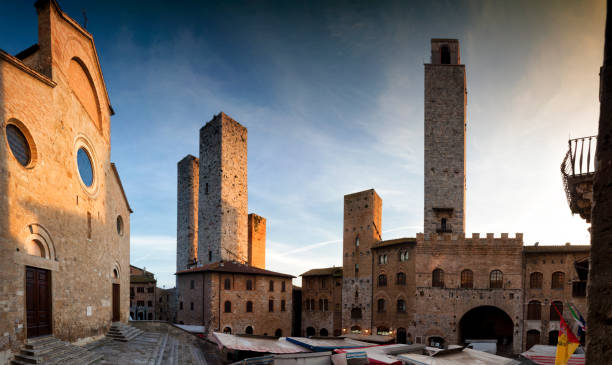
579,319
566,343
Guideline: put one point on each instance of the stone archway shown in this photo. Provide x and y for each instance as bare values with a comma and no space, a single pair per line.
488,323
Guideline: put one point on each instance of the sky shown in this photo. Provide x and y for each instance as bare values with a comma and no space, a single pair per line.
332,96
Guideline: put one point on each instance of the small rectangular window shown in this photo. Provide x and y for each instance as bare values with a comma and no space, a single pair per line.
282,305
271,305
209,255
149,303
283,285
192,284
191,305
181,305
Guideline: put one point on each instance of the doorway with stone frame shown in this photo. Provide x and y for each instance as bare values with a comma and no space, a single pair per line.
38,302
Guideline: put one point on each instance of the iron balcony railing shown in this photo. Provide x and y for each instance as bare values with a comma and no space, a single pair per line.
578,165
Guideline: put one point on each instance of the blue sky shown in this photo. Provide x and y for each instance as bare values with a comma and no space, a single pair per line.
332,96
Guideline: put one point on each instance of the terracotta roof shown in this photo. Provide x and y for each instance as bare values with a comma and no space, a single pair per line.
557,248
235,267
324,271
142,279
397,241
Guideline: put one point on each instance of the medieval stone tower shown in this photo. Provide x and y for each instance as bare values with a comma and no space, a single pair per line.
445,107
362,229
212,201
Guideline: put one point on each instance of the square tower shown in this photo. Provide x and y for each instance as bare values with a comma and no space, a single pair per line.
257,241
187,213
223,196
445,107
362,229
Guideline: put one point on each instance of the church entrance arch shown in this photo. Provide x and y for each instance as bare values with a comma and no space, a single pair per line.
488,323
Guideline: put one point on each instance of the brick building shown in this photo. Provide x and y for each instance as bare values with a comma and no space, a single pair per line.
221,281
64,217
322,300
442,287
235,298
143,294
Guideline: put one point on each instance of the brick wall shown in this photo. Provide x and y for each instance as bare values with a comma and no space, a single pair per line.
257,241
319,289
46,200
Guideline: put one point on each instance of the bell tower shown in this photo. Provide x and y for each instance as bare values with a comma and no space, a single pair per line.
445,107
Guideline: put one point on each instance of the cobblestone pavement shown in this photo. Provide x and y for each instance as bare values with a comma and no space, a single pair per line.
154,348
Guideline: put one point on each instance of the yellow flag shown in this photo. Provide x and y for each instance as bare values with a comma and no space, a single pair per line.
567,343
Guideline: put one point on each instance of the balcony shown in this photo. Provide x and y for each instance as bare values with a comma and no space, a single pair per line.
444,228
577,172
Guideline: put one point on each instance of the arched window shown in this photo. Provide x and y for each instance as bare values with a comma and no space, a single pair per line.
554,314
356,294
534,310
401,278
401,306
321,305
271,305
249,330
557,280
437,278
445,55
356,269
533,338
227,284
249,284
323,332
271,285
382,280
228,306
443,225
496,279
403,256
249,306
227,330
381,305
467,279
535,280
278,332
312,305
357,241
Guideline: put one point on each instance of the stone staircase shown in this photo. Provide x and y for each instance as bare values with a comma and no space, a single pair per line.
123,332
48,350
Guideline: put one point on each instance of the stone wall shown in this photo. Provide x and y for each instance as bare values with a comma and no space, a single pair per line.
223,195
362,221
187,212
445,112
391,318
211,312
319,288
76,226
439,310
547,263
257,241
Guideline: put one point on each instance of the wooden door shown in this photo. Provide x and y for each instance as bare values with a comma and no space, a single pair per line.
38,302
116,301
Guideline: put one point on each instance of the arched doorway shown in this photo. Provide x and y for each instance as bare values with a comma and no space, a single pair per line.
356,329
401,335
278,332
324,332
533,338
249,330
310,331
488,323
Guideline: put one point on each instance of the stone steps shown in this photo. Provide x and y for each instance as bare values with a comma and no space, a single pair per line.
48,350
123,332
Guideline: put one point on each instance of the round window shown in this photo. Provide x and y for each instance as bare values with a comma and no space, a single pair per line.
19,144
85,167
120,225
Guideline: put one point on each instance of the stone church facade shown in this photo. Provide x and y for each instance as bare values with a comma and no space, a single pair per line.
64,217
443,287
221,280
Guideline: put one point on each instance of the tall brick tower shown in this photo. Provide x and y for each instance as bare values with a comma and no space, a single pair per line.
445,107
362,229
223,196
187,213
